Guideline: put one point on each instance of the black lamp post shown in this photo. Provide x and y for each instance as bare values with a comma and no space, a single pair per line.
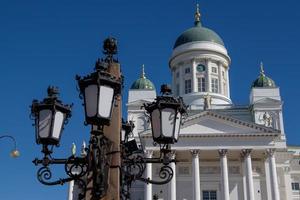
99,91
165,114
50,117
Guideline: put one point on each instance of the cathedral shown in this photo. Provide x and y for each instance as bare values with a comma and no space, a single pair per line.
224,151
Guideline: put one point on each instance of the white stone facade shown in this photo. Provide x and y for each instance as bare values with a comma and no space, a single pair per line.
224,152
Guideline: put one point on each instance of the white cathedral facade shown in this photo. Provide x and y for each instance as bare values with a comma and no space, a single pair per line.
224,152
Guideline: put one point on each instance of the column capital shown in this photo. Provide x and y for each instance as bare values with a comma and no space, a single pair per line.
270,152
222,152
195,152
246,152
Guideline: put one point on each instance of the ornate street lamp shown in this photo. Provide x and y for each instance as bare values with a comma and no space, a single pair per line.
127,128
15,152
165,115
99,91
50,116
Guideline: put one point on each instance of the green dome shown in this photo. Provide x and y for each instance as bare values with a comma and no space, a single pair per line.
142,83
198,33
263,81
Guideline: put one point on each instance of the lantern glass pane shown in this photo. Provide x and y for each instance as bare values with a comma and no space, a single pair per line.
123,135
90,95
58,124
177,125
44,126
106,95
155,123
168,121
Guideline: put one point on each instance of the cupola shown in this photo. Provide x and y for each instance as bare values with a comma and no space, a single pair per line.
142,83
262,80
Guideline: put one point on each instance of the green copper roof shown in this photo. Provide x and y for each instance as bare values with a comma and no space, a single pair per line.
142,83
263,81
198,33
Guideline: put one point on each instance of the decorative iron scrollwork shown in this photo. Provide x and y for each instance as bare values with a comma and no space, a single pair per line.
134,166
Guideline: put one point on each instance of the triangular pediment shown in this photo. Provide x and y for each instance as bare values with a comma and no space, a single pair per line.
210,123
268,101
139,102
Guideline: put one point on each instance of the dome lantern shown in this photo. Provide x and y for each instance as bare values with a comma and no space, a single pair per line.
198,33
262,80
142,83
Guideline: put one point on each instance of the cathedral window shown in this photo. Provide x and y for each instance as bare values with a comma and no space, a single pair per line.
188,86
187,70
215,85
209,195
214,70
295,186
201,84
177,75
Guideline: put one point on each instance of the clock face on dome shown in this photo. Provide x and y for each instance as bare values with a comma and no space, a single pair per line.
200,68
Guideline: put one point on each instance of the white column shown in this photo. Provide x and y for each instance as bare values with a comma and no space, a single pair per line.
194,75
181,80
268,179
227,82
244,170
208,77
273,174
148,187
196,175
172,183
224,174
220,78
249,174
287,183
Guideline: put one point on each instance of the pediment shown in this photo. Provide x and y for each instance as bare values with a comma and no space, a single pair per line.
139,102
210,123
268,101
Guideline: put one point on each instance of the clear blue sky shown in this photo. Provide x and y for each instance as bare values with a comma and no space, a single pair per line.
49,42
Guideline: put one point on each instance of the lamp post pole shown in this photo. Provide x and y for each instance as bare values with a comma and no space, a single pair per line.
111,132
115,127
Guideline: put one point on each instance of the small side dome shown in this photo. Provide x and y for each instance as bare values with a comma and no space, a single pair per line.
262,80
142,83
198,33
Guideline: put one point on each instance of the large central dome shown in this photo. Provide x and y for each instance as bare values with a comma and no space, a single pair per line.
198,33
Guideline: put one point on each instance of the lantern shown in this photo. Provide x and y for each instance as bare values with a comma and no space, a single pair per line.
165,115
127,128
50,116
99,90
